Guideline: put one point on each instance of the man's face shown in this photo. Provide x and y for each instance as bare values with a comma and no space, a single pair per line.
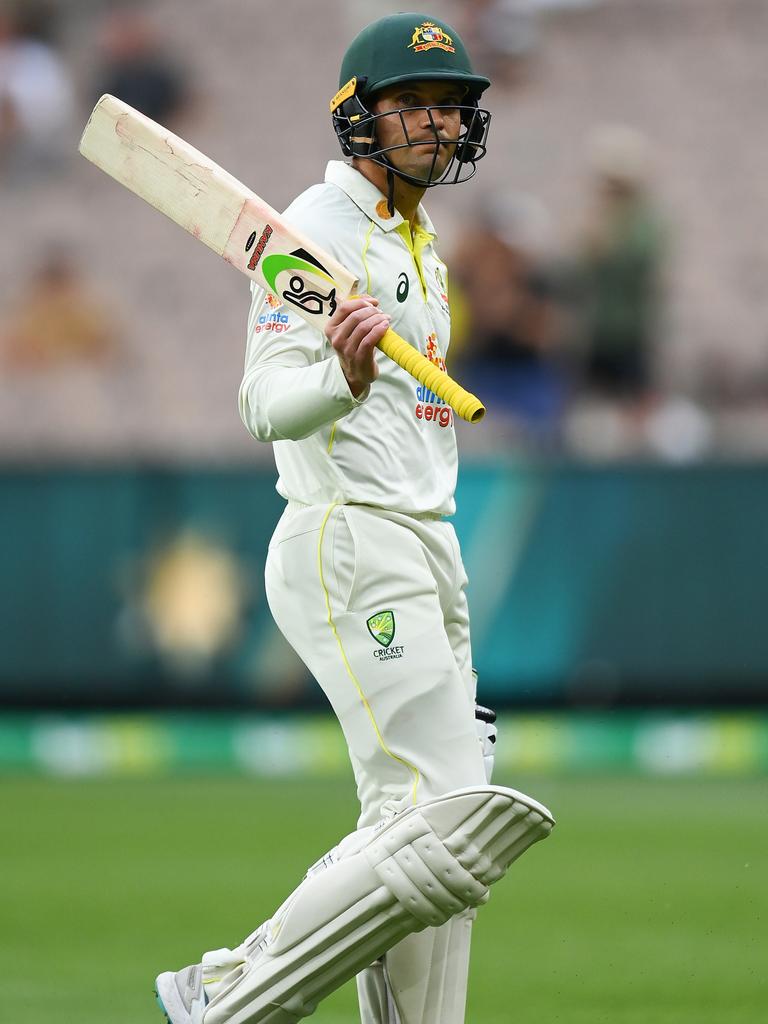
443,121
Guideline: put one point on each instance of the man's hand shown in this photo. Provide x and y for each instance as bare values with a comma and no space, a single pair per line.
354,330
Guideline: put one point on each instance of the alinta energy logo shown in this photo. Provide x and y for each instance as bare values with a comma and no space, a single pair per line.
430,407
297,292
381,626
433,353
274,319
428,35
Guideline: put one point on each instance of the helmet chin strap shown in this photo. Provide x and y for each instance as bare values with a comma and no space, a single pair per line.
390,189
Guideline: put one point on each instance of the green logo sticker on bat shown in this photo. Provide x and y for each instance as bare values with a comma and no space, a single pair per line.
297,293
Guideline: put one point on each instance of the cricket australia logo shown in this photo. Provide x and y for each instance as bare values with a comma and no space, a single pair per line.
381,626
300,262
428,35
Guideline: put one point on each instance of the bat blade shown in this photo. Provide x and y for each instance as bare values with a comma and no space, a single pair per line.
211,204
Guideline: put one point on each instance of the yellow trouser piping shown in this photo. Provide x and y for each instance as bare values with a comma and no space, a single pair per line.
407,764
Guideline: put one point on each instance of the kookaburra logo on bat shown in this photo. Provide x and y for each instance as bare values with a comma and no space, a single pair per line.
297,292
261,245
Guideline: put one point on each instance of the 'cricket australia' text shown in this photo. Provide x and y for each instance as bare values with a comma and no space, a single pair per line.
388,653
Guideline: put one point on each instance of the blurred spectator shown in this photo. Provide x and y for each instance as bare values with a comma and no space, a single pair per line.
502,36
137,68
511,342
37,105
618,267
57,321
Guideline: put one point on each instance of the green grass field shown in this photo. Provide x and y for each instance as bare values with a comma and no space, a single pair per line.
648,904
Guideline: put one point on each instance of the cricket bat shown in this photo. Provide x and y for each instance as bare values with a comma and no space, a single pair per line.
229,218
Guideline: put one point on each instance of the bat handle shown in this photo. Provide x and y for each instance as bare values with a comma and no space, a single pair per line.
463,403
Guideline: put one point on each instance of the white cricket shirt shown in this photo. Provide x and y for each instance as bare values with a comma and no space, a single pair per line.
395,446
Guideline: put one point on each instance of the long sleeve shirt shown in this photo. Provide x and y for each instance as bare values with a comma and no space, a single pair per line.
394,447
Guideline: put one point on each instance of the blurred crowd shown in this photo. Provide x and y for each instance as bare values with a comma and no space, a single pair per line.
562,328
545,333
39,108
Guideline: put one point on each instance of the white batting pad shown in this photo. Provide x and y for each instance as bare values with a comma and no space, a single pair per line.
421,980
427,864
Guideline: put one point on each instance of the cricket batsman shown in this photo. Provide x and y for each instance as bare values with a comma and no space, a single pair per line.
364,574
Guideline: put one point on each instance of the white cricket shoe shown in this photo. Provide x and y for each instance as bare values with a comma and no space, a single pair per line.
181,995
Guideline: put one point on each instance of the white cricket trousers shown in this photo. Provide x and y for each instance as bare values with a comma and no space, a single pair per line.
374,604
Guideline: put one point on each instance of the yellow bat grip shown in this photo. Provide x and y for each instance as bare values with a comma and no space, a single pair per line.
432,377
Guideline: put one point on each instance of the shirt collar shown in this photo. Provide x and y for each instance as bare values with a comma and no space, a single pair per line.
373,203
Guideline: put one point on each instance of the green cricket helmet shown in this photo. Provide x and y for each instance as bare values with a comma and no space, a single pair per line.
409,48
